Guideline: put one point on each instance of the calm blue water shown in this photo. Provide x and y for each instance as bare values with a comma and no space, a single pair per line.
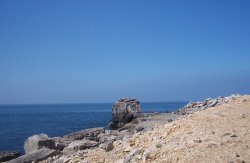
17,122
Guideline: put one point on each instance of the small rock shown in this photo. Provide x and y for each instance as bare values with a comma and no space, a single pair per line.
134,121
131,143
243,115
131,155
213,104
138,129
243,100
151,156
197,141
109,146
8,155
127,148
108,132
158,145
169,120
226,134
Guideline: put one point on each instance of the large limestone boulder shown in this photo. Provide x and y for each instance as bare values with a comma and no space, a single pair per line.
35,156
37,142
124,111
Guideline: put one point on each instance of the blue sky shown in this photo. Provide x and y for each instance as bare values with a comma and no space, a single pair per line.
98,51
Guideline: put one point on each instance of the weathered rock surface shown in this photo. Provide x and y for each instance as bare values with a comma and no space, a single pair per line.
218,134
81,142
109,146
124,111
61,143
8,155
80,145
90,134
37,142
38,155
208,103
104,137
109,138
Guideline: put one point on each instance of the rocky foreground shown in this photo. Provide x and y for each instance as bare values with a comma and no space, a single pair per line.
219,133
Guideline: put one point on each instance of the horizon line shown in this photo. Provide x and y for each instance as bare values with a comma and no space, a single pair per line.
86,103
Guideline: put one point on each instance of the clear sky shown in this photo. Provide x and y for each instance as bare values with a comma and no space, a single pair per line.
98,51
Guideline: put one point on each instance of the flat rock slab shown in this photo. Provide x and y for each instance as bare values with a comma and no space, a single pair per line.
82,144
87,133
8,155
38,155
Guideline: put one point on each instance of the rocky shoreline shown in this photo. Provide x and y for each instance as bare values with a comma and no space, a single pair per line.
8,155
59,149
127,122
192,107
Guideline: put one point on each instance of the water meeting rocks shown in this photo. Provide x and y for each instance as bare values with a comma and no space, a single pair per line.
37,142
124,111
8,155
35,156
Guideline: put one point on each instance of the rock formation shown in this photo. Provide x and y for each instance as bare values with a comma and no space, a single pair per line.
37,142
79,145
40,147
90,134
124,111
208,103
218,134
36,156
8,155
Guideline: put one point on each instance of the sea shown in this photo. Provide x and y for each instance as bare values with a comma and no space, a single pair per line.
18,122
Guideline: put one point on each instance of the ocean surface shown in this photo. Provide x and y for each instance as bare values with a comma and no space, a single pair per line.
18,122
